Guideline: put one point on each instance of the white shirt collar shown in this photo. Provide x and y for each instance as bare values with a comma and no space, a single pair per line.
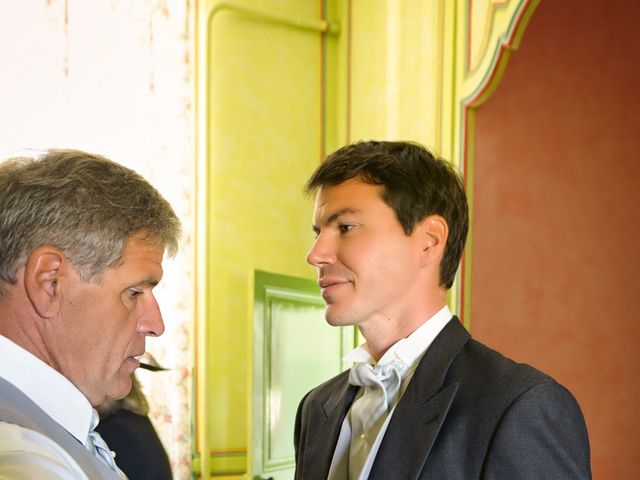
409,349
47,388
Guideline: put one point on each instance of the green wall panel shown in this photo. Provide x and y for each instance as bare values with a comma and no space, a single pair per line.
294,350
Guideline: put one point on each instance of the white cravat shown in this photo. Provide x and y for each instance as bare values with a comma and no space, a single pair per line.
409,351
368,413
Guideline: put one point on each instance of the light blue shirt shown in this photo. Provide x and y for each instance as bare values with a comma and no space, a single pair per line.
25,454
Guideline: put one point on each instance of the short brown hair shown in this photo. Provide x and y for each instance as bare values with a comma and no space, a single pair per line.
413,182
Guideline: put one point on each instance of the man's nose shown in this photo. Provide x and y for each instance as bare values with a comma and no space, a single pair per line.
322,252
151,322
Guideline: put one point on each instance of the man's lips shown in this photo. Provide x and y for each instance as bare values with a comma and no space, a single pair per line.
329,281
136,357
329,285
133,362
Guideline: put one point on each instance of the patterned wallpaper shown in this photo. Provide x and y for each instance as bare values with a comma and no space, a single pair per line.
116,78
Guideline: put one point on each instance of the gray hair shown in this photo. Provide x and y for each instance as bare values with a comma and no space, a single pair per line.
83,204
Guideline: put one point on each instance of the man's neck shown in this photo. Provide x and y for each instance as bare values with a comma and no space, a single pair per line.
384,333
24,332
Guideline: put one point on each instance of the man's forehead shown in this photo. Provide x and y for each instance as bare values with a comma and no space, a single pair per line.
329,216
351,193
142,259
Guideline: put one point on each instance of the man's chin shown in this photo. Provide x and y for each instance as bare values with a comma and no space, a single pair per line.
113,387
335,318
121,388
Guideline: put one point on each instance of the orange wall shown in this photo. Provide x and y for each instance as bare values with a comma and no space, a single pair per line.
557,215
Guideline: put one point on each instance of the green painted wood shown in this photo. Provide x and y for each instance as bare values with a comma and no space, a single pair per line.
294,350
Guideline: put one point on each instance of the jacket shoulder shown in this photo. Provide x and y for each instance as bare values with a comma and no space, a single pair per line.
327,390
490,383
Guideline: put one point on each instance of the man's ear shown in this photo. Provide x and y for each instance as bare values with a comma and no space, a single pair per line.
434,232
41,278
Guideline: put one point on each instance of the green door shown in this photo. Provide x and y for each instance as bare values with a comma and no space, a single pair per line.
294,350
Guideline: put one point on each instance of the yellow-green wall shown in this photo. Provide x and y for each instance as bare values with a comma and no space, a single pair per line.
281,83
261,95
395,72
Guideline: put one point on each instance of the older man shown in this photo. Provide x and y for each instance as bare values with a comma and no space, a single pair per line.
82,241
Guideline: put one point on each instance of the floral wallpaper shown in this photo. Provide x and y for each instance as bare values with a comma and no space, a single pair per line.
116,78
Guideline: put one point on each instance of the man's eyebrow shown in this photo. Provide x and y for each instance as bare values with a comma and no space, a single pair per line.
148,281
334,216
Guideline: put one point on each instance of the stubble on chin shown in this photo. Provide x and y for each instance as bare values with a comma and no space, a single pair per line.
337,319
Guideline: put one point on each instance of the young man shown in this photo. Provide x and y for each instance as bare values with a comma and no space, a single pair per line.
82,241
423,400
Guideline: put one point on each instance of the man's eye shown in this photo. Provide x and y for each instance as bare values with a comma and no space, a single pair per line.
134,293
345,227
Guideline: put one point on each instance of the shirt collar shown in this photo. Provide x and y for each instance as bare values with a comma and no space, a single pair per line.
409,349
47,388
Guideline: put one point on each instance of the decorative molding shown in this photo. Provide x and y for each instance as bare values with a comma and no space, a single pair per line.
481,86
476,88
481,12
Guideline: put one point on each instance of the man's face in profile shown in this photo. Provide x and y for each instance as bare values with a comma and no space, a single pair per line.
367,266
101,327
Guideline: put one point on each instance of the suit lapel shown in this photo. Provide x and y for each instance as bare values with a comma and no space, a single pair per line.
422,409
325,420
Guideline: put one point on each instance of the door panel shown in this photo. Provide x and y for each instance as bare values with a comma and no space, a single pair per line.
294,350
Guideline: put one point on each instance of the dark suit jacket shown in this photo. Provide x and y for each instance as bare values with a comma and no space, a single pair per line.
467,413
139,451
